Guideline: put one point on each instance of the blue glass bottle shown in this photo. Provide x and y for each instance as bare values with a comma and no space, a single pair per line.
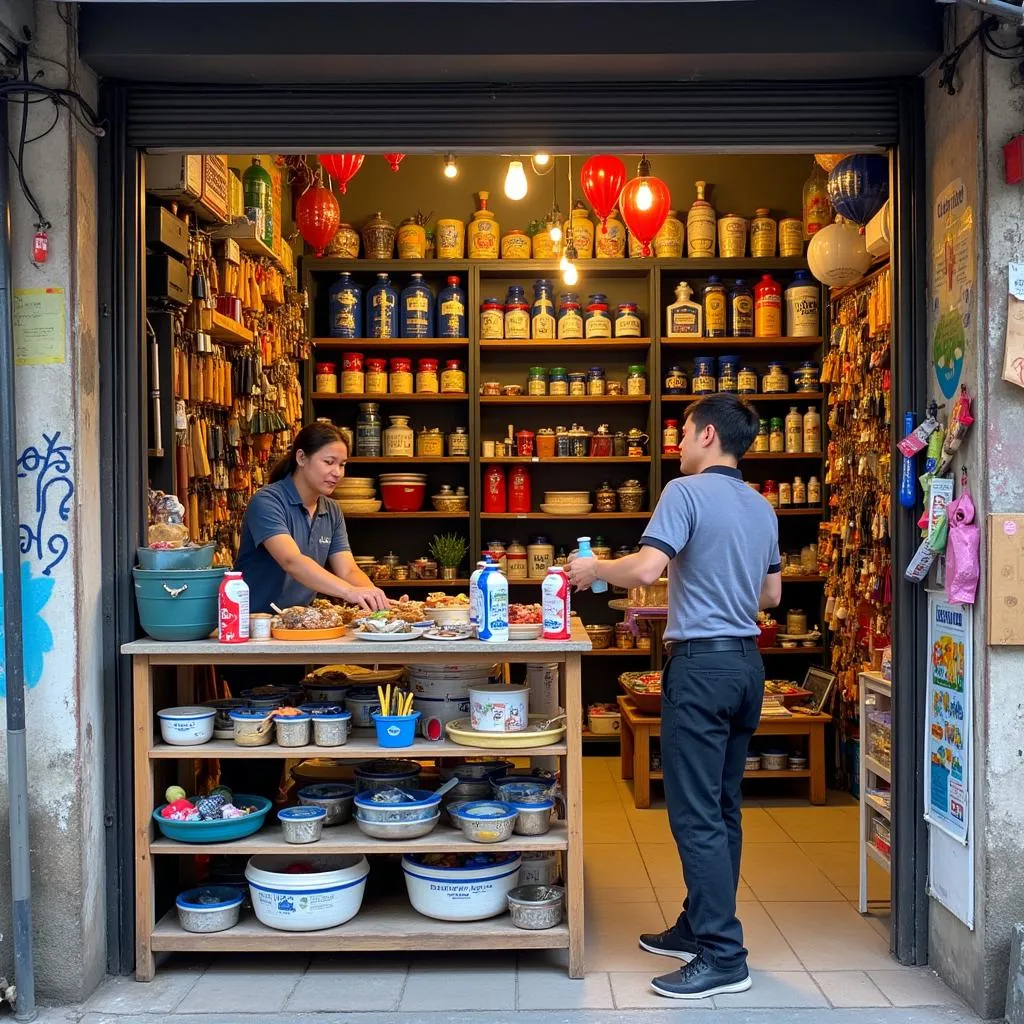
451,310
417,309
382,309
740,311
345,301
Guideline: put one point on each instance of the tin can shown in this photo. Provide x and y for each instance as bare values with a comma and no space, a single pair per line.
763,234
327,378
746,380
732,236
458,442
791,236
430,443
353,379
401,376
376,376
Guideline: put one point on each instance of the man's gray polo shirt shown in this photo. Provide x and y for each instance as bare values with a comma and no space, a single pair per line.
275,509
723,539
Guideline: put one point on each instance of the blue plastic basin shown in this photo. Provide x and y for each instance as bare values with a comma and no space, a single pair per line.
216,831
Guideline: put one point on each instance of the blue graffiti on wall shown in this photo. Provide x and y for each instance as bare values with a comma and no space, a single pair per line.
45,540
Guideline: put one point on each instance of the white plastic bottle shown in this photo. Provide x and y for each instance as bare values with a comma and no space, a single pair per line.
812,430
474,592
492,626
584,551
555,603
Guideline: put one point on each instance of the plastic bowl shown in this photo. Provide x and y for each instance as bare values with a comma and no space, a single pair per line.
424,805
448,616
163,559
485,821
397,829
334,797
216,831
209,908
329,894
186,726
463,893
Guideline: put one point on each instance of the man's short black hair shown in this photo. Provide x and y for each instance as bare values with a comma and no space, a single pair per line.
735,421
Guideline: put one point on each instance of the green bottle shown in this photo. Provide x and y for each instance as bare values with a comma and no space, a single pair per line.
258,190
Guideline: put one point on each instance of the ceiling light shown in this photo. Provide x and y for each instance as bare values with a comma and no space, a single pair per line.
451,169
555,232
542,163
570,275
515,180
644,196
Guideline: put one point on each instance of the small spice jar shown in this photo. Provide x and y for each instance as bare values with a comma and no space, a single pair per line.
427,380
596,321
776,435
676,381
776,380
491,388
430,442
353,379
761,440
492,319
458,442
613,388
704,380
746,380
545,443
537,381
453,378
577,384
400,382
623,636
627,321
605,498
595,381
524,443
636,381
376,376
558,383
327,378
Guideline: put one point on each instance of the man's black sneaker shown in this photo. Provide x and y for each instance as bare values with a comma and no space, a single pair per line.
699,979
669,943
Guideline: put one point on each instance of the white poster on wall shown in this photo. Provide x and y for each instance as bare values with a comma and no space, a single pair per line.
947,717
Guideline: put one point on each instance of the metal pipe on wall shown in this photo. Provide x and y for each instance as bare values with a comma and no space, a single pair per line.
14,673
1000,8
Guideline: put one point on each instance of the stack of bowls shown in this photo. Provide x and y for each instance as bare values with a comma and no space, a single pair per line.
566,503
356,494
403,492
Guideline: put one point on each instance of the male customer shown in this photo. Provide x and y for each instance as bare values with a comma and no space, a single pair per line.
721,542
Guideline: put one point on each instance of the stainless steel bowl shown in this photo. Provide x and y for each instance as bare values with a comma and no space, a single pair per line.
397,829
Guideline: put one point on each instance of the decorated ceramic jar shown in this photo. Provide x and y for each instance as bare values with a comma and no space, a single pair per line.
378,237
668,242
345,244
450,239
582,232
516,245
610,245
484,231
412,239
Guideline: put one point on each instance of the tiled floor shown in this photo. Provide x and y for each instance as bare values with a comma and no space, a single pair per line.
809,947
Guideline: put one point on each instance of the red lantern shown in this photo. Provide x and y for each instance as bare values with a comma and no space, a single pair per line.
394,159
342,167
317,216
602,178
644,203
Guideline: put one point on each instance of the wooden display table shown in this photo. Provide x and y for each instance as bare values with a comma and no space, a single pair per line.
385,925
638,728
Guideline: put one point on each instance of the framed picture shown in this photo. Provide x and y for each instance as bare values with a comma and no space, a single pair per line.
820,682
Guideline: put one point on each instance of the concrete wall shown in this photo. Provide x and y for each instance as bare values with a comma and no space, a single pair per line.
58,445
965,134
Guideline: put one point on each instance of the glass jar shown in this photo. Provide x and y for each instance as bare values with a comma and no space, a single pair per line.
368,430
458,442
727,369
746,380
703,380
776,380
807,377
398,438
627,321
537,381
401,376
542,313
595,380
776,435
770,493
596,321
579,442
559,382
570,319
492,319
563,444
427,382
670,437
762,441
605,498
636,380
327,378
577,384
453,378
517,313
376,376
785,494
676,381
430,443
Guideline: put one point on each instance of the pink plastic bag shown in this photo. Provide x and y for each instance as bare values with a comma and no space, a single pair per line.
963,565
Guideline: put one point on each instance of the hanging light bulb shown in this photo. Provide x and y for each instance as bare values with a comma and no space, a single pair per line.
515,180
644,196
570,275
542,163
555,232
451,169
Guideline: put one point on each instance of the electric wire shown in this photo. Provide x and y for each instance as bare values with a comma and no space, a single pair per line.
985,33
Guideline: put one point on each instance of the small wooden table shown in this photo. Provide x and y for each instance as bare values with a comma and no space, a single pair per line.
638,728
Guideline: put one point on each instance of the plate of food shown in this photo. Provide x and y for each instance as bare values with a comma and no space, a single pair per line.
447,609
320,620
450,632
525,621
382,626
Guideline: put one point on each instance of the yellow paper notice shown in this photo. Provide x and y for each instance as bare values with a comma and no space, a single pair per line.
39,326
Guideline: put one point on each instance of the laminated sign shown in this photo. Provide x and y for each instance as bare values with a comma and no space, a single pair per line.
1006,579
1013,352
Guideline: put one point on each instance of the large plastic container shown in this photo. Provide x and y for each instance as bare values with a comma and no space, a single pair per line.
461,893
325,897
177,604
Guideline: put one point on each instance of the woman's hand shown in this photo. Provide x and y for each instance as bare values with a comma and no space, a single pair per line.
372,599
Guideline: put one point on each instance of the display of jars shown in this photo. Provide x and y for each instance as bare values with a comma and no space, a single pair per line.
378,238
398,438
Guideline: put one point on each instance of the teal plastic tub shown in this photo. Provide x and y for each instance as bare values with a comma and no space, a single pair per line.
217,831
177,604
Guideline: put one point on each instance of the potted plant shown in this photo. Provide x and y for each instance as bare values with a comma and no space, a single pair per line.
448,550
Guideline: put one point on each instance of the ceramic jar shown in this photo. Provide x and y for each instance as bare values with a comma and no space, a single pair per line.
610,245
631,496
398,438
700,226
668,242
450,239
345,244
378,237
516,245
544,247
412,239
763,234
484,231
732,236
605,498
791,236
582,233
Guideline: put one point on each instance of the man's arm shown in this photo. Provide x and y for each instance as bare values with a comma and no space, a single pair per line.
641,568
771,591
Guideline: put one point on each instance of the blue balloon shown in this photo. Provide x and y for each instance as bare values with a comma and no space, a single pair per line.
859,186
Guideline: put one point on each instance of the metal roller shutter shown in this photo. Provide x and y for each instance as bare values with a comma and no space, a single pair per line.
832,116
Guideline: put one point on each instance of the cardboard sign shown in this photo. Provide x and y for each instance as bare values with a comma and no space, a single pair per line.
1013,350
1006,579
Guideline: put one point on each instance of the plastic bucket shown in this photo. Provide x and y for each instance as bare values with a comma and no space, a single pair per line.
461,893
396,730
325,897
177,604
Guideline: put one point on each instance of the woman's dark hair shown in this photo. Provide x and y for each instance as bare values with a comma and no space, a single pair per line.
735,421
310,439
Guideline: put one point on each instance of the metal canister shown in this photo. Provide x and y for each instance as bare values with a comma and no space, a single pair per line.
430,443
579,442
636,443
458,442
563,444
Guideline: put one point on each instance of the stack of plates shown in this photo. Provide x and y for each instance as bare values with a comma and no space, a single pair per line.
356,494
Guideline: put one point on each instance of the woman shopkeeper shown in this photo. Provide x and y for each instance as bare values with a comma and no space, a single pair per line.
294,542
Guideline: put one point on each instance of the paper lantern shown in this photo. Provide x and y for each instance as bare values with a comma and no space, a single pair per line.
601,179
342,167
644,203
394,159
858,186
826,161
317,216
837,256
